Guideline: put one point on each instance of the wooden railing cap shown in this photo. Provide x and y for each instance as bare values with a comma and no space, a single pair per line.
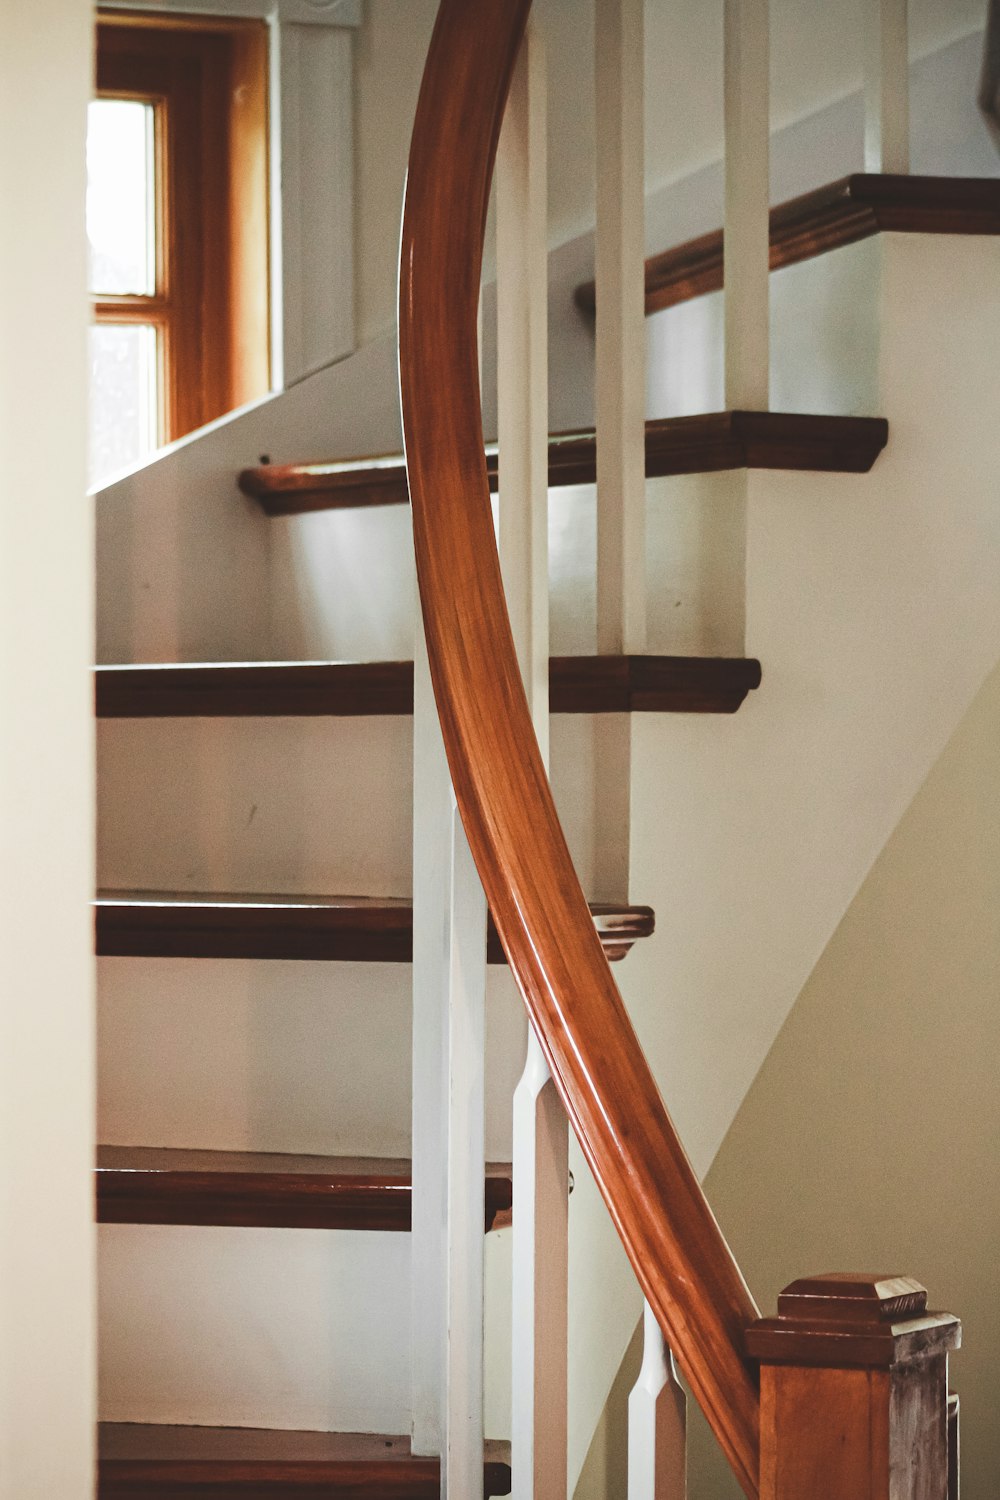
854,1320
853,1297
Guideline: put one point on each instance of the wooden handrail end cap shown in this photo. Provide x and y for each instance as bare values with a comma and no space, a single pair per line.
852,1298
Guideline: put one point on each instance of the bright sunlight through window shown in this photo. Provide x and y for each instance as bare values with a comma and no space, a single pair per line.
122,231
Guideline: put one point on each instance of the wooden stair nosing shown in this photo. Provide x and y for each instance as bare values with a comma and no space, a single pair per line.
705,443
143,1462
318,928
577,684
137,1185
840,213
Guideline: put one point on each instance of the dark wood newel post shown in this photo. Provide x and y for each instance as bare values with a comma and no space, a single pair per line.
854,1391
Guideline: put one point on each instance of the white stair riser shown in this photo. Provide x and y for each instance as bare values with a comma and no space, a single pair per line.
284,805
269,1328
246,1055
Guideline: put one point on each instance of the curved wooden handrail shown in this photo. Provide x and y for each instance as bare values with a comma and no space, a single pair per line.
679,1255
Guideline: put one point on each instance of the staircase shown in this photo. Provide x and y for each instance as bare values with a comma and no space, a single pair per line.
227,873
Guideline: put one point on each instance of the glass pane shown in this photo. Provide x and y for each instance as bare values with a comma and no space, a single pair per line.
123,405
121,198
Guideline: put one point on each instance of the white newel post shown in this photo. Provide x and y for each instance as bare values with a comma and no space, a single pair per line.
887,86
449,1023
541,1165
657,1423
747,235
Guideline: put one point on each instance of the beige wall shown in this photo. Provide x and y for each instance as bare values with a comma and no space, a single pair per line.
870,1138
605,1474
46,762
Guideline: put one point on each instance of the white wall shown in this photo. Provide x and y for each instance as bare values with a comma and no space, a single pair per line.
46,787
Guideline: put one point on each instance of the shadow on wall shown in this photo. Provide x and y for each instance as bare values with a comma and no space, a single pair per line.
605,1474
868,1139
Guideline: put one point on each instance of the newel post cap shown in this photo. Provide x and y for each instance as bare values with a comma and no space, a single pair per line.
852,1320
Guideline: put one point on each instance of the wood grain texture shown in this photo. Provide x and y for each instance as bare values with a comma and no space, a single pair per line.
854,1391
683,1264
139,1185
137,1462
251,689
853,208
651,684
577,685
674,445
358,929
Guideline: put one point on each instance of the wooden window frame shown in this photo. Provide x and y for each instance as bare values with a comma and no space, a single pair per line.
207,82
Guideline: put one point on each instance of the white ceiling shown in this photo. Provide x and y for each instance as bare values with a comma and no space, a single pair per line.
815,59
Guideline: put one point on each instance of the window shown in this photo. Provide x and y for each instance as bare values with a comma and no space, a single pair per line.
177,223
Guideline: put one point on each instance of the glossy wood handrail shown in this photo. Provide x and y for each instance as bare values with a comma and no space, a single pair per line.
682,1262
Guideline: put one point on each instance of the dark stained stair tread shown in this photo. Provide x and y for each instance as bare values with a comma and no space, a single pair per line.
366,929
137,1462
577,684
674,445
853,208
144,1185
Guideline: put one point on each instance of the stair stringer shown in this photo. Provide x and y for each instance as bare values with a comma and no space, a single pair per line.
874,605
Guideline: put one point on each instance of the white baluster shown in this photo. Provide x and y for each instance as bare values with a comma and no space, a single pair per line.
431,906
449,988
523,374
620,409
541,1166
462,1461
747,94
657,1423
887,86
540,1274
620,389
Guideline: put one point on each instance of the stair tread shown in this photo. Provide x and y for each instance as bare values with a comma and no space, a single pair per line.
577,684
161,1185
136,1459
372,929
840,213
674,445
